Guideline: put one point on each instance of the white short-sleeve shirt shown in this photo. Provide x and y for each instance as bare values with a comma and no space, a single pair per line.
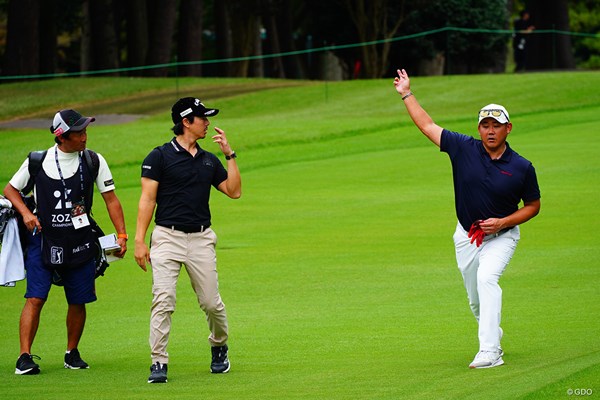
69,165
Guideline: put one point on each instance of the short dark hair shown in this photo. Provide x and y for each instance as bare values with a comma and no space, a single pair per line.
64,136
178,127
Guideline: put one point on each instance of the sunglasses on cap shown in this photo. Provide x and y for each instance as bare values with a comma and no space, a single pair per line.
492,113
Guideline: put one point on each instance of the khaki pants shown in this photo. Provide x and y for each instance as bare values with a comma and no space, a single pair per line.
170,249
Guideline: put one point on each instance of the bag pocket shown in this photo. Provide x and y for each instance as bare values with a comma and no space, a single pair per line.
69,250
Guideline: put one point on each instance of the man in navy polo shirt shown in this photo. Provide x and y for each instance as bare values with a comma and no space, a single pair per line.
176,180
490,180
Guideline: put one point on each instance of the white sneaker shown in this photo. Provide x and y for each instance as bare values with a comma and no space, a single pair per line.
487,359
500,347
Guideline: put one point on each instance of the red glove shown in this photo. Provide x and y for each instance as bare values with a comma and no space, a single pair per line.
476,233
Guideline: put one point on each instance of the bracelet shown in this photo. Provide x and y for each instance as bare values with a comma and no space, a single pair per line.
407,95
123,236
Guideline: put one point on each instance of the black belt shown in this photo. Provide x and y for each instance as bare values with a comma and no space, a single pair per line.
187,229
500,232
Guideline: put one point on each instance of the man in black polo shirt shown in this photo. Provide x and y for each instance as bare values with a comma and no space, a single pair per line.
490,180
176,180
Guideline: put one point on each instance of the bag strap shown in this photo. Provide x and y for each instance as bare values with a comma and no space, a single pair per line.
93,162
36,158
35,165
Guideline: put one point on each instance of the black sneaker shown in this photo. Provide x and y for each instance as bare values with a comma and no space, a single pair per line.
220,362
26,365
158,373
73,360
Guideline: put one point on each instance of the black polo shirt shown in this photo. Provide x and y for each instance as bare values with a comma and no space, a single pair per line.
486,188
184,184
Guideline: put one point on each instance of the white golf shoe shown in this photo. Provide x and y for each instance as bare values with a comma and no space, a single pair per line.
487,359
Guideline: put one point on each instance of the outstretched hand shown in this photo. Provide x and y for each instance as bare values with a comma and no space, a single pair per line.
402,82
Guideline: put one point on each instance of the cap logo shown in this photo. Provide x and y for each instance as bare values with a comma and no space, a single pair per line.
185,112
197,102
61,125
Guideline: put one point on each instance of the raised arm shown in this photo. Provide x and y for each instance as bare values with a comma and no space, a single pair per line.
232,186
419,116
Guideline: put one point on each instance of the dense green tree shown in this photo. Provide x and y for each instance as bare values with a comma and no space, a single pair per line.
46,36
584,16
461,52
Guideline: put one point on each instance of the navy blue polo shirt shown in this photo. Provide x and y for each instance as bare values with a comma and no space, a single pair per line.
486,188
184,184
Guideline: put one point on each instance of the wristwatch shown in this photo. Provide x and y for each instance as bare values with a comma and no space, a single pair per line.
232,155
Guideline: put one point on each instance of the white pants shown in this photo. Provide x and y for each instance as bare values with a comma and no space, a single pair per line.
481,268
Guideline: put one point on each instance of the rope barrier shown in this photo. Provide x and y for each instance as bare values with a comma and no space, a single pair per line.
293,53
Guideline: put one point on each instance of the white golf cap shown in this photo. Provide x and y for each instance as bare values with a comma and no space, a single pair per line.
495,111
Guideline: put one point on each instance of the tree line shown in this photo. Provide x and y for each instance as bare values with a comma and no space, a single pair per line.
150,36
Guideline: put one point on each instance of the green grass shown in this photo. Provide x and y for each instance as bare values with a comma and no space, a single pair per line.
337,264
123,96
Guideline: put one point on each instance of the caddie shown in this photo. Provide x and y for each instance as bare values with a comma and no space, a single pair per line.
61,236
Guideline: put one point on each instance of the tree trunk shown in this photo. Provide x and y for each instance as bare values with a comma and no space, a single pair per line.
293,66
257,65
244,28
223,36
162,25
549,50
48,37
137,32
189,43
21,56
105,47
276,70
273,11
85,53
